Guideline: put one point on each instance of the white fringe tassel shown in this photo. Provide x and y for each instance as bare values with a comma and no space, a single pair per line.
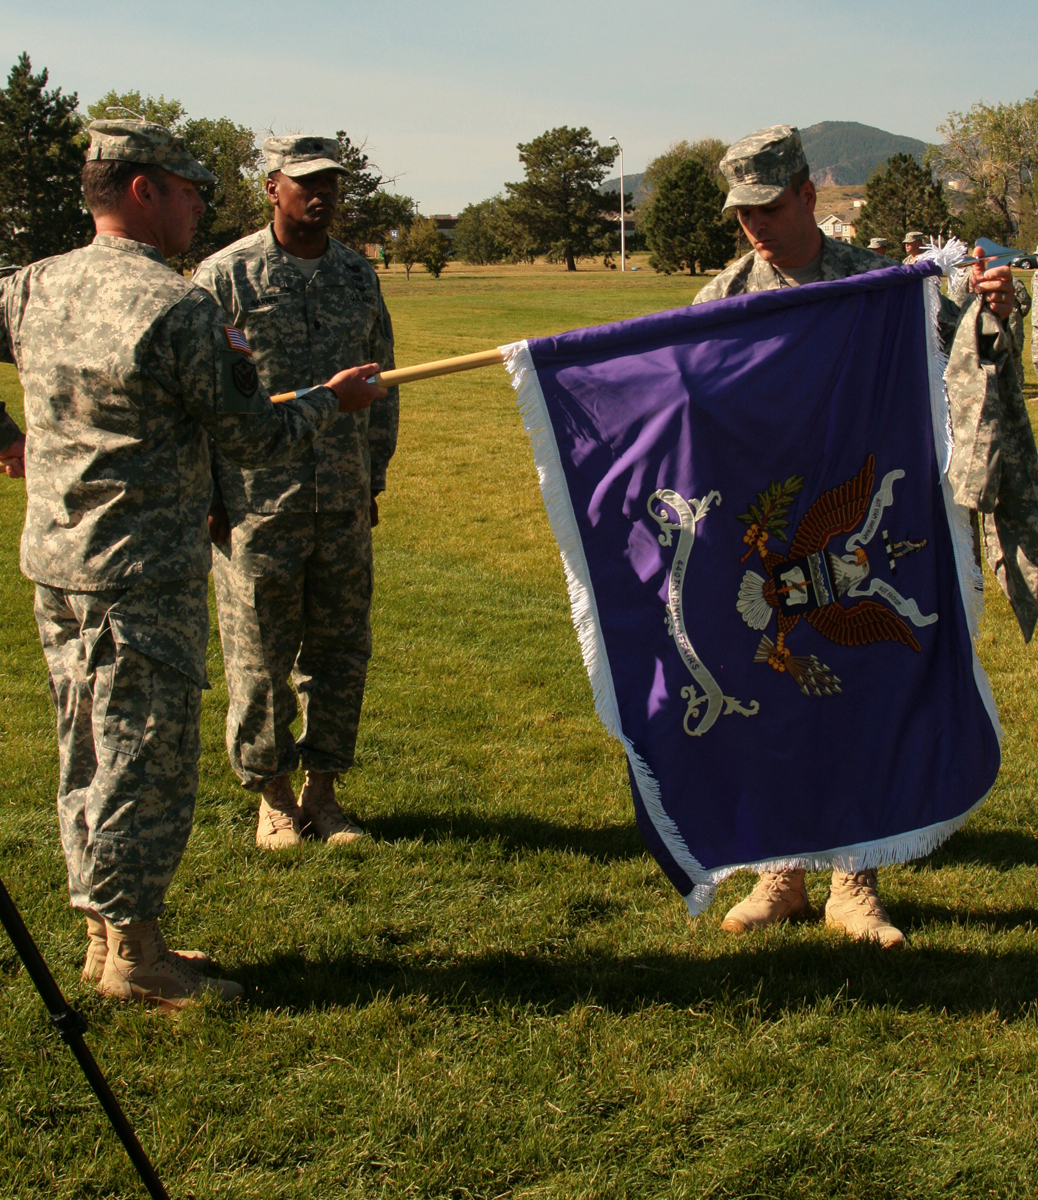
563,523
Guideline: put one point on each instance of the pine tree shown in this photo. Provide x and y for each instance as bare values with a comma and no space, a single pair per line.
42,151
683,224
557,208
901,196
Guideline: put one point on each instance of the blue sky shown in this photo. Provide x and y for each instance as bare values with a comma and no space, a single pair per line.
442,93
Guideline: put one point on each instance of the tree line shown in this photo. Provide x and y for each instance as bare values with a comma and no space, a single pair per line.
43,143
559,211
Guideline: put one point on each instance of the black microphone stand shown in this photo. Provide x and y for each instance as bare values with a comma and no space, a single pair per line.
71,1025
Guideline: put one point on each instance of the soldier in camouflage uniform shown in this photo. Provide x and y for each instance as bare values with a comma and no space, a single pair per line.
913,246
293,580
774,199
127,368
878,245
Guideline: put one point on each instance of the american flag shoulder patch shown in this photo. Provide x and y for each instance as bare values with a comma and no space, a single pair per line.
237,339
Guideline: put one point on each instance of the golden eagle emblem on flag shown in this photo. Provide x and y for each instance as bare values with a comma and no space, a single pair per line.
811,582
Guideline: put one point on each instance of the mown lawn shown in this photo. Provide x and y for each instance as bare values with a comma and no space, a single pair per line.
499,994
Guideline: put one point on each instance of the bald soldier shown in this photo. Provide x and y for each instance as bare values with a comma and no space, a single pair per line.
293,560
127,368
771,193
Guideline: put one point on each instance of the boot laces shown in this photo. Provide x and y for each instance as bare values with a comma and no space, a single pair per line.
774,885
279,819
863,891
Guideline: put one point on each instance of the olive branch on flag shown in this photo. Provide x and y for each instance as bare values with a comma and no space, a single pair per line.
772,505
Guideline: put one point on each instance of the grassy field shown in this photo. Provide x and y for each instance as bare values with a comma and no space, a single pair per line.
499,994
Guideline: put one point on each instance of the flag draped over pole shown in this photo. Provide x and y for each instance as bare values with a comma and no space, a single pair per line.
774,592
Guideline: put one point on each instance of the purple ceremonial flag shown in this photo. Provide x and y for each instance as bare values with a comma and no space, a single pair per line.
774,592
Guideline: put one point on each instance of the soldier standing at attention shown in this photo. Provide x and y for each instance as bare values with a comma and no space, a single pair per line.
293,572
879,246
913,246
774,199
127,367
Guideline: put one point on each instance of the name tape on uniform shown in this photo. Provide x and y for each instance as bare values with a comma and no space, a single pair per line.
237,339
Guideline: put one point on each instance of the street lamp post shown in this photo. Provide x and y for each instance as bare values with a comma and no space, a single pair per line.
623,220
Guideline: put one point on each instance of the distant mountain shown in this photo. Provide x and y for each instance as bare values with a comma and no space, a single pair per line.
845,152
632,183
841,154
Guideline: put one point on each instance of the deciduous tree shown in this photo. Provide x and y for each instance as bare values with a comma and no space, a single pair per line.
479,237
392,218
423,242
709,152
41,160
993,151
899,196
683,224
235,203
557,207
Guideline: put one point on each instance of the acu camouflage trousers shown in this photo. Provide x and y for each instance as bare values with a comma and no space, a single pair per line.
128,736
294,598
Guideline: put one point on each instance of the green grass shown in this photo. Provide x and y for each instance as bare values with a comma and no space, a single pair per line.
499,994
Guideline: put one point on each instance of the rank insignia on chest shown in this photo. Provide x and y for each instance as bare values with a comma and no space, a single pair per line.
237,340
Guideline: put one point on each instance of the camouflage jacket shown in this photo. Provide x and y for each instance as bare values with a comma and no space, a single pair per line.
994,466
301,334
126,366
840,260
959,291
9,431
754,274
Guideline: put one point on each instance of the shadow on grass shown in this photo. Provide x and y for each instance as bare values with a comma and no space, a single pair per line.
513,833
772,979
1002,848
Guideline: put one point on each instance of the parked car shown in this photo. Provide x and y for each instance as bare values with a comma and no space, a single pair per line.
1026,262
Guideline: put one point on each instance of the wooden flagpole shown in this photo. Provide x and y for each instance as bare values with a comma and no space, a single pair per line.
429,370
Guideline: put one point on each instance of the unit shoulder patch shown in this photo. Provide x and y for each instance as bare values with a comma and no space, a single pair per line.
246,377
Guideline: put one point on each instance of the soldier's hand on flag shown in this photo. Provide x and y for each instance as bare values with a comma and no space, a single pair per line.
995,287
12,460
354,391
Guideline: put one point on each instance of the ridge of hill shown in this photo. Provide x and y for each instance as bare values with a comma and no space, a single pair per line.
841,154
632,185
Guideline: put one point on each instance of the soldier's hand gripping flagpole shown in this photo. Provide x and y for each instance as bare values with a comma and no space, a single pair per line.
71,1026
429,370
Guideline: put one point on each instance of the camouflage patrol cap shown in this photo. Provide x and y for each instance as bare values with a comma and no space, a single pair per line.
297,156
878,244
759,167
913,235
145,143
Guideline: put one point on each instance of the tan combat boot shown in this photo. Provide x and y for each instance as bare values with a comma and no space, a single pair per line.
855,907
321,816
140,967
97,951
278,826
778,896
